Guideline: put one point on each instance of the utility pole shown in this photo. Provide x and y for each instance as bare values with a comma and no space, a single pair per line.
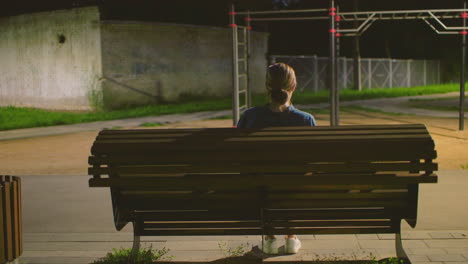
332,66
357,55
461,117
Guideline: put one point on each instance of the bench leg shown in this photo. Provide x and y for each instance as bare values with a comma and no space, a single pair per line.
401,254
136,239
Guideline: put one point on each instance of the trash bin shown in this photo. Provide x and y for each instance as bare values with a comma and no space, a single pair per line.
11,234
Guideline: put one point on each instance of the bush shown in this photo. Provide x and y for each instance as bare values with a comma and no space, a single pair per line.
124,256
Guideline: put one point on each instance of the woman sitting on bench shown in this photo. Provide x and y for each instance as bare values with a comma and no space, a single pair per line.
280,84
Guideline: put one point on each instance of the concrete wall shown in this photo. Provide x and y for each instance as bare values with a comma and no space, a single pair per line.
37,70
145,62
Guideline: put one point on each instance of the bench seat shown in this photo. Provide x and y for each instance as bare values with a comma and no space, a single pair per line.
279,180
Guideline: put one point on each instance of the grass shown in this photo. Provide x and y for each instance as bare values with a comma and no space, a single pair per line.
351,95
150,124
19,117
124,256
232,252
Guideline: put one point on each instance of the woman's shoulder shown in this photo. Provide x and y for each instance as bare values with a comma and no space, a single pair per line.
296,111
303,115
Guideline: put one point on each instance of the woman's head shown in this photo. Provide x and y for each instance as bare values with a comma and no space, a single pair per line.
280,82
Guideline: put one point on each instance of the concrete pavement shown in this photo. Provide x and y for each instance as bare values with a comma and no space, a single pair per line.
398,105
65,221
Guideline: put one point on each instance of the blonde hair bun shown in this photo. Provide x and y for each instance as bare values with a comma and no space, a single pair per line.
280,79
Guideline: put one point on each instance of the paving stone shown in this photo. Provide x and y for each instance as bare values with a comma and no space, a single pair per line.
456,250
441,235
342,254
330,244
335,237
195,255
456,262
306,237
77,237
49,253
418,258
367,236
424,251
391,244
386,252
465,255
56,260
427,262
418,235
404,235
74,246
447,243
245,244
460,235
192,245
386,236
290,257
446,257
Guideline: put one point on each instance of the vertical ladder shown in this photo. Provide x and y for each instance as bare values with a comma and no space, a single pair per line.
240,56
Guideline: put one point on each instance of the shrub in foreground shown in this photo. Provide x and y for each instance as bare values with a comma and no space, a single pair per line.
124,256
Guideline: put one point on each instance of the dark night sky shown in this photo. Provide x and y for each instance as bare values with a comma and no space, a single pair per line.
397,39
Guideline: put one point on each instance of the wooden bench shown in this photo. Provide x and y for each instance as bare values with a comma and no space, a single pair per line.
11,234
280,180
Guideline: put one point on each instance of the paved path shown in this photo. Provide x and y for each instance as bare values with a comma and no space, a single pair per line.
394,105
65,221
398,105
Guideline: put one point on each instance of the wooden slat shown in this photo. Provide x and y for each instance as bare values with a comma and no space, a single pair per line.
317,231
288,204
241,143
191,215
329,223
209,225
196,141
205,232
350,152
270,215
3,253
321,214
274,195
8,234
274,224
299,128
148,203
264,168
214,232
10,218
233,133
20,216
15,217
237,182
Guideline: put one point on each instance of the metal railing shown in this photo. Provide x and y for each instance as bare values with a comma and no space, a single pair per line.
312,72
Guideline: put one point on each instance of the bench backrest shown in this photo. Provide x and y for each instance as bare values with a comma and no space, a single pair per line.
252,181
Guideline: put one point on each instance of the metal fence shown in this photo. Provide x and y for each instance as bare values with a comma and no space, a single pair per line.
312,72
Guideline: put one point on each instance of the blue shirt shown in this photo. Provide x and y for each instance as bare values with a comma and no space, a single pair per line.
262,116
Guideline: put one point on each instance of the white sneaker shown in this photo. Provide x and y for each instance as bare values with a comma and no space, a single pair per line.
270,246
292,245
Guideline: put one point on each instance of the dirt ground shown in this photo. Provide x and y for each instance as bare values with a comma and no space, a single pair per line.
68,154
